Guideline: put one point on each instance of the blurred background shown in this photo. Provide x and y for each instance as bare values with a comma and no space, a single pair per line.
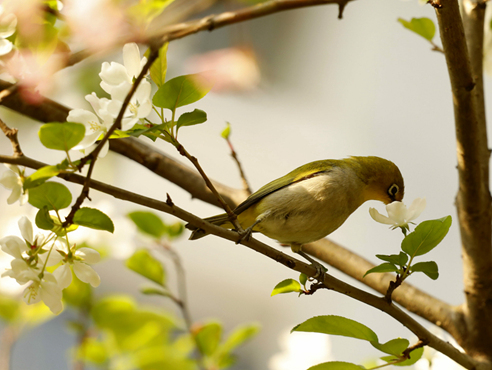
303,86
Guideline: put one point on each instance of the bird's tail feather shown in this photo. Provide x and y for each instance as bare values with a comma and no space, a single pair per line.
219,220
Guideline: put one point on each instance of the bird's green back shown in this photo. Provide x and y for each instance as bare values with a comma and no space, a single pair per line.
299,174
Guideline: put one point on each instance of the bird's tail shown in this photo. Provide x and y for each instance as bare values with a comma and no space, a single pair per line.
219,220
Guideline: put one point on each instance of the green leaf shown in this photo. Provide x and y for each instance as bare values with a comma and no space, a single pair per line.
396,259
415,355
429,268
421,26
286,286
384,267
192,118
175,230
208,338
148,223
227,131
426,236
144,264
180,91
43,219
9,308
53,195
240,335
158,69
337,365
40,176
61,136
337,325
93,218
303,279
94,351
155,291
393,347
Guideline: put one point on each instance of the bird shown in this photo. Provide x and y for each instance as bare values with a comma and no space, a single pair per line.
313,200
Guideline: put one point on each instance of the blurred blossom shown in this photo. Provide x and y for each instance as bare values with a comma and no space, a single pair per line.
14,180
8,23
301,351
233,69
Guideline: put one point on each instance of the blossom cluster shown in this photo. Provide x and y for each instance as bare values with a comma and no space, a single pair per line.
32,255
117,80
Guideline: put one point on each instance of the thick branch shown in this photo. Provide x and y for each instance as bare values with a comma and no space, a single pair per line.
473,199
413,299
329,281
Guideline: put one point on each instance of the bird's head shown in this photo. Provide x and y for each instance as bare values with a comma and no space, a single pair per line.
383,179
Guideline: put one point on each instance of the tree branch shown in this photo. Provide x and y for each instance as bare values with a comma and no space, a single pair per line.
473,200
11,134
328,281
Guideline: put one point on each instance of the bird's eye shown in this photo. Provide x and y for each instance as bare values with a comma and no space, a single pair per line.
393,190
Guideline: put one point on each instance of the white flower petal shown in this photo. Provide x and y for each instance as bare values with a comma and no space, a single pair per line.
416,208
5,46
13,245
9,180
378,217
25,227
86,274
397,212
15,195
24,198
131,59
113,74
63,275
31,293
89,255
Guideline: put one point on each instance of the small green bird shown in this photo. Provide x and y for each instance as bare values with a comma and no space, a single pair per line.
314,200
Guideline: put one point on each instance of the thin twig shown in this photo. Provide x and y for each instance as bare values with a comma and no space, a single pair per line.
116,125
239,166
11,134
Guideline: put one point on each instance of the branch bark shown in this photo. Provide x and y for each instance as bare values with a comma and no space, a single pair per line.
473,200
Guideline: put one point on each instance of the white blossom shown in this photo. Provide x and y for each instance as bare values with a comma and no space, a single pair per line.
13,180
8,23
79,261
45,289
398,213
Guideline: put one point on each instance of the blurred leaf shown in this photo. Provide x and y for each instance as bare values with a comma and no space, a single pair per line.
208,337
61,136
94,219
415,355
426,236
50,194
384,267
393,346
429,268
40,176
43,219
336,365
286,286
238,336
9,308
146,10
78,294
155,291
396,259
93,351
180,91
143,263
175,230
192,118
337,325
162,358
227,131
158,69
148,223
421,26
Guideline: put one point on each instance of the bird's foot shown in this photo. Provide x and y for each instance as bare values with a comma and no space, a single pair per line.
320,269
245,235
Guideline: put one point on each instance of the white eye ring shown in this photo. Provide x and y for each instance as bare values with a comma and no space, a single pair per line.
393,190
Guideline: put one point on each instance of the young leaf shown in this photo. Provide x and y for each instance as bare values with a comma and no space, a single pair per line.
421,26
208,338
40,176
392,347
337,365
43,219
148,223
144,264
93,218
384,267
155,291
53,195
192,118
396,259
286,286
337,325
180,91
158,69
303,279
61,136
426,236
240,335
415,355
429,268
227,131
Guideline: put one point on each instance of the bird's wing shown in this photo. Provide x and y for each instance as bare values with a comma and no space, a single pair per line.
304,172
